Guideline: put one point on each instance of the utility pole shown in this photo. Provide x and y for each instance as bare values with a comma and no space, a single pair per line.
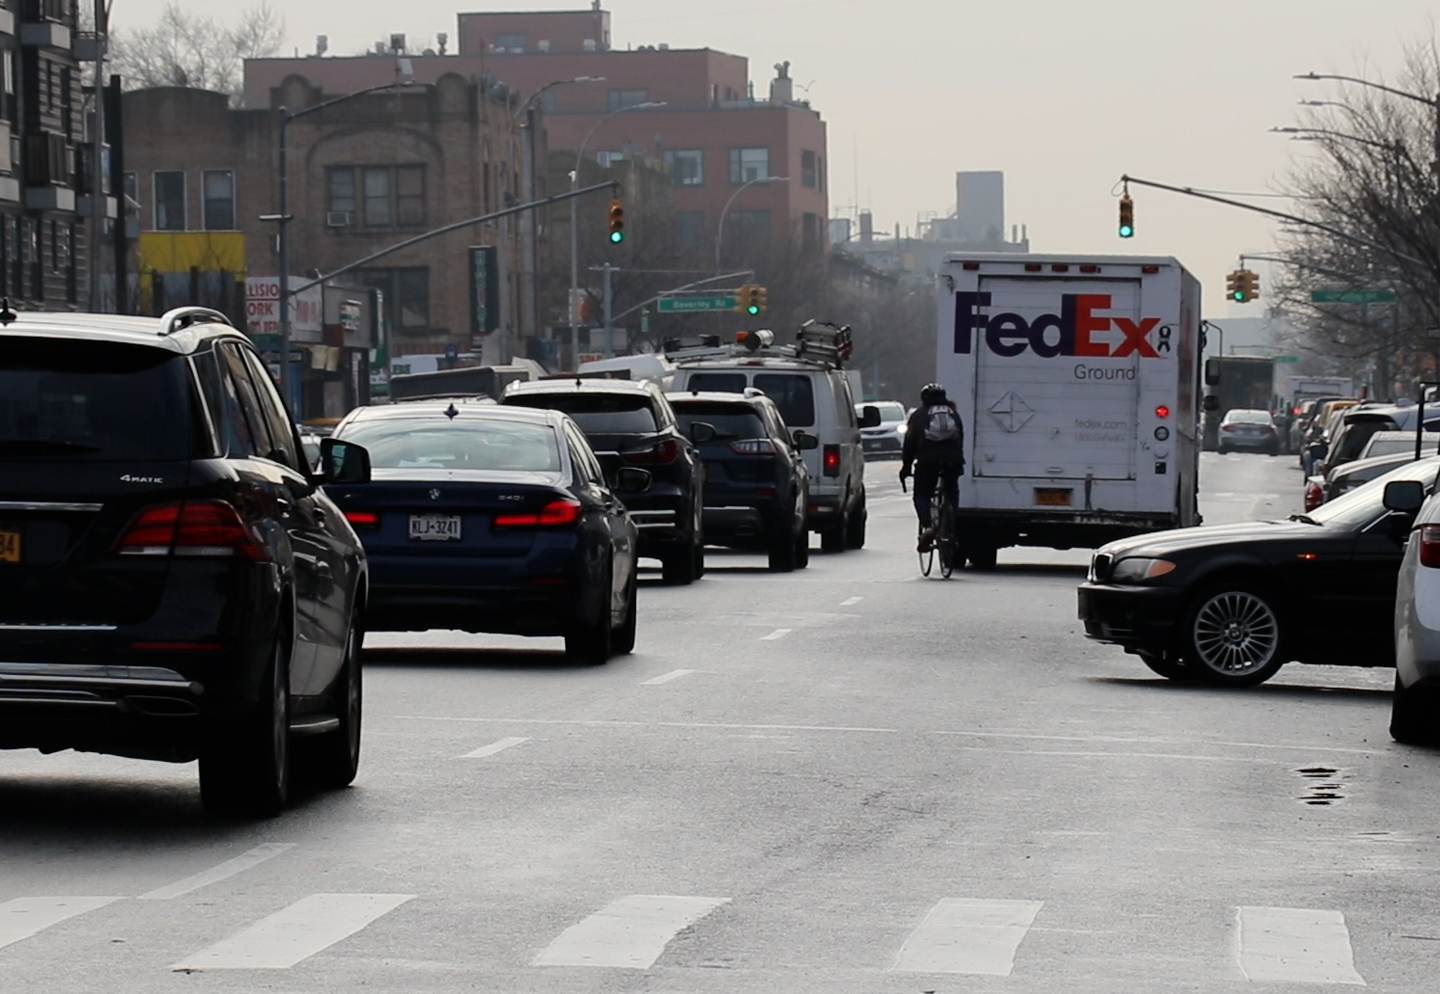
605,305
97,150
528,261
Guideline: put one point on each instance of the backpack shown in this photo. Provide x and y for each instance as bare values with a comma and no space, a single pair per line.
941,424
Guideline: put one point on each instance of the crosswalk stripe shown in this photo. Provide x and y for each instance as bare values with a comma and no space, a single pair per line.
494,747
1297,946
630,933
968,935
287,937
22,917
665,678
215,874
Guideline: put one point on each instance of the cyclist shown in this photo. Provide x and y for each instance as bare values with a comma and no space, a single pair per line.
935,447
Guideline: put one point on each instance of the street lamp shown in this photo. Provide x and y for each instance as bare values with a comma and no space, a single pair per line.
527,195
1432,102
1318,134
574,223
283,219
720,234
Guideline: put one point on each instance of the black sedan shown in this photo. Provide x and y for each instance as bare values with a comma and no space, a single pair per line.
492,519
1231,604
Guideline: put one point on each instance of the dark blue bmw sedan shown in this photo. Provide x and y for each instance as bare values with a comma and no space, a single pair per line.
492,519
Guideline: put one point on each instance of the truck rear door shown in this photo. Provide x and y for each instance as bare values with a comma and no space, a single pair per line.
1057,385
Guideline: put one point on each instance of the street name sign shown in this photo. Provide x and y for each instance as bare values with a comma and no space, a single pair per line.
672,305
1352,296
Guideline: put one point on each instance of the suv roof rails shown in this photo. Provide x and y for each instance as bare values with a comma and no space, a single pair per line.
184,317
820,342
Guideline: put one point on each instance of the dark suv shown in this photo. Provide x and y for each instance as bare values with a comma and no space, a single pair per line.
756,484
173,583
635,422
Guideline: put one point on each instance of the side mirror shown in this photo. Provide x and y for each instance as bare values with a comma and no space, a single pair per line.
344,462
632,481
1405,496
702,432
1318,450
1212,372
806,443
870,416
1210,404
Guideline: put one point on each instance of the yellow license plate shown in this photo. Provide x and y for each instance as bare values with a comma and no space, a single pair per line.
9,547
1053,497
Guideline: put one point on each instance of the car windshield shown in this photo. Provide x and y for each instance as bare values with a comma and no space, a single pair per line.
92,401
1350,439
1248,417
707,382
793,393
1364,504
889,411
597,413
507,446
730,421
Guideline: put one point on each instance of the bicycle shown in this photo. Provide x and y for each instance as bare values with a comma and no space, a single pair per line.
942,515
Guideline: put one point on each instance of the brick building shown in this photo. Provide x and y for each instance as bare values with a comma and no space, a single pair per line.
43,163
713,133
365,174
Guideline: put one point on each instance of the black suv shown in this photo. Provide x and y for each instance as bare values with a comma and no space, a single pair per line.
632,423
173,583
756,484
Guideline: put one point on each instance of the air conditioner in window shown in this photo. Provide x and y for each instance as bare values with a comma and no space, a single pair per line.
338,219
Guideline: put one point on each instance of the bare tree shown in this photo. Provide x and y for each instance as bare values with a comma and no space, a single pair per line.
187,49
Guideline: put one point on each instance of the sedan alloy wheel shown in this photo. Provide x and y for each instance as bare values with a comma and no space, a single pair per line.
1234,637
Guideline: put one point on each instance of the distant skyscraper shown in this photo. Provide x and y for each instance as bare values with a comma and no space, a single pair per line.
980,206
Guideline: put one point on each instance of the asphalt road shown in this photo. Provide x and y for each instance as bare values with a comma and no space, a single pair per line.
848,779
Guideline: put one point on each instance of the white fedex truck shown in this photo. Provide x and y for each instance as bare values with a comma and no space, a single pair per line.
1078,378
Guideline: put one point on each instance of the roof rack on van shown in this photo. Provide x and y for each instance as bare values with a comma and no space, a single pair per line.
820,342
184,317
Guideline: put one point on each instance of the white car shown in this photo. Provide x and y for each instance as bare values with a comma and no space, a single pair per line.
1415,708
888,437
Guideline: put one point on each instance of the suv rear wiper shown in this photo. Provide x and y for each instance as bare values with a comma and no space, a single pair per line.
1304,519
39,447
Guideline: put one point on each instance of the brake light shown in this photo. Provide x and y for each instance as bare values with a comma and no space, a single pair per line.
1162,412
1314,496
830,460
753,447
363,519
1430,546
1227,427
205,528
1295,410
556,514
666,451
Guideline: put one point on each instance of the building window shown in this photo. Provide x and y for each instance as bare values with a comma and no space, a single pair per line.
377,188
407,295
748,164
807,170
169,201
379,196
747,227
620,99
689,228
410,195
687,167
219,194
72,282
809,232
510,42
820,171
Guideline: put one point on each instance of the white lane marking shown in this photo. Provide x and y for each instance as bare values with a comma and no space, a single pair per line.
23,917
1296,946
778,633
666,678
851,602
215,874
601,723
493,748
287,937
629,933
968,935
1281,746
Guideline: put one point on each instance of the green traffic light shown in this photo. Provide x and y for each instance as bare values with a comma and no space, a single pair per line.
1127,231
1239,296
616,237
753,310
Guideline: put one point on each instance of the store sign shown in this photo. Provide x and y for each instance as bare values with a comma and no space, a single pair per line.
262,308
484,290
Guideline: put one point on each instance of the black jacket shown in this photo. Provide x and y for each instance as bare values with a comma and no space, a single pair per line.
919,448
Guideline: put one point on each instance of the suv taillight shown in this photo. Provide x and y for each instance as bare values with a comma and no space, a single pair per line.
1314,496
831,460
198,528
666,451
556,514
753,447
1430,546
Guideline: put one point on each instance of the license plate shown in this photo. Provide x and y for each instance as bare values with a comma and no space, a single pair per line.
872,445
9,547
435,527
1053,497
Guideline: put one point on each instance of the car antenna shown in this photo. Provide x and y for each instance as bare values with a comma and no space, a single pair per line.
7,314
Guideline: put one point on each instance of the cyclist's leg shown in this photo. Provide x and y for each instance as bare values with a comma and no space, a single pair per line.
950,480
924,482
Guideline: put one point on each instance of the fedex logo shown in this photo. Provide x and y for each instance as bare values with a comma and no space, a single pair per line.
1072,332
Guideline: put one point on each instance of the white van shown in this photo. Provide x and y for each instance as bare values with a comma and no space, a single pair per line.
812,391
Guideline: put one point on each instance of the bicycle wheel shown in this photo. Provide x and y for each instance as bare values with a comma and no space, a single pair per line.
945,539
927,559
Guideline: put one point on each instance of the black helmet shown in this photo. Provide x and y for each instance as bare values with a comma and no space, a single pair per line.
932,393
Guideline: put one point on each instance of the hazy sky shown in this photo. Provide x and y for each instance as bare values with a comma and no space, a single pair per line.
1063,95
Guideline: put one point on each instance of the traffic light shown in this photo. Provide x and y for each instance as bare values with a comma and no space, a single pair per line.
1127,217
1249,285
617,222
1234,287
756,300
742,299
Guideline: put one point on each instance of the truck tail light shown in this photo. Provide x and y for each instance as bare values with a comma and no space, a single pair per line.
1430,546
666,451
556,514
1314,496
753,447
200,529
830,460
